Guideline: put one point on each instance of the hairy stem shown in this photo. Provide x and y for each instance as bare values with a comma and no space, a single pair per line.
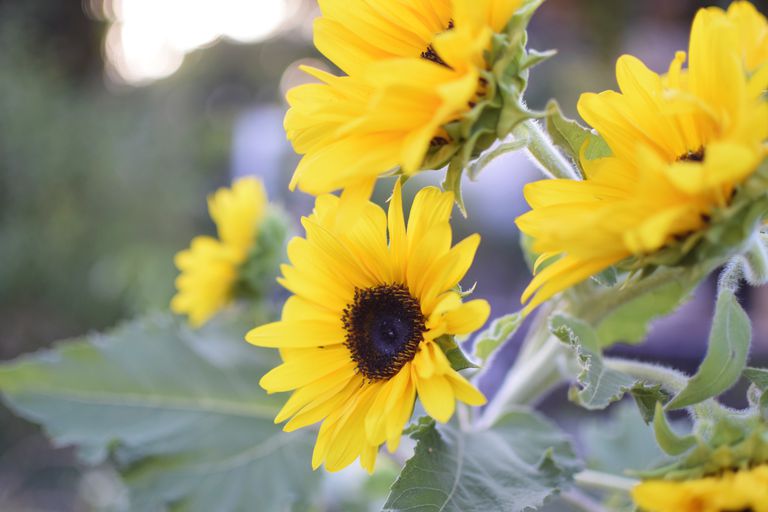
526,382
604,481
544,153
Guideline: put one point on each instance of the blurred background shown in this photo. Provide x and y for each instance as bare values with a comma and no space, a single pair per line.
118,117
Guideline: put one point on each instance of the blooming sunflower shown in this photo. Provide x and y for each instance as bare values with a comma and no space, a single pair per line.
753,32
681,144
412,67
358,337
210,267
731,491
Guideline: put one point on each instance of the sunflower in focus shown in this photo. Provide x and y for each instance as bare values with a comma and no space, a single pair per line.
210,268
412,67
359,337
682,143
731,491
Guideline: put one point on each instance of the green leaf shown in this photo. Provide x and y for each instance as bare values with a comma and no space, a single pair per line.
566,133
515,466
619,441
759,378
454,353
179,411
598,386
596,147
629,323
500,330
452,182
670,441
727,352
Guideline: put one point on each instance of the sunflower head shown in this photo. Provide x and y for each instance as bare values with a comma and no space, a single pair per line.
358,337
684,171
427,81
214,270
741,490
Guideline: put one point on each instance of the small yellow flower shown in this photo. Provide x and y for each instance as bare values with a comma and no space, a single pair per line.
681,143
209,268
412,67
729,492
357,336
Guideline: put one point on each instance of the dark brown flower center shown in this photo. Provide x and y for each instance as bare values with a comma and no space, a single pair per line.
692,156
384,326
431,54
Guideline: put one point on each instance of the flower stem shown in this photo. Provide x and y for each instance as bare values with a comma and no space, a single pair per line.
604,481
544,153
526,382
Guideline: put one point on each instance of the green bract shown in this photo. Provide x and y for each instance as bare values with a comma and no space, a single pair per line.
497,111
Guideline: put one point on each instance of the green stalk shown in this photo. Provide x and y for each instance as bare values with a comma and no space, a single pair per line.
544,153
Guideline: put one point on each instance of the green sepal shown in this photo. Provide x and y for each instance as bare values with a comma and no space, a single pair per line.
727,352
498,110
731,443
256,276
453,352
669,441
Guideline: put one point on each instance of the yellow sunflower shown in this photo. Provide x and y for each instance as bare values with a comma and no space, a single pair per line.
209,268
358,335
729,492
753,32
412,65
681,143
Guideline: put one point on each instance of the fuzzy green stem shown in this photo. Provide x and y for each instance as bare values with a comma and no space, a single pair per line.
544,153
582,501
526,382
671,380
604,481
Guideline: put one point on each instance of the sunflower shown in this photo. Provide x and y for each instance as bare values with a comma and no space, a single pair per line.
412,67
731,491
753,32
359,337
681,144
210,267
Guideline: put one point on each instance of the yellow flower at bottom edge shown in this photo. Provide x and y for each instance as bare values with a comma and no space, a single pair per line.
681,144
413,66
358,336
209,268
739,491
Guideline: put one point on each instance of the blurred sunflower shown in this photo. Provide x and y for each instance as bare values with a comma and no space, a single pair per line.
681,144
210,267
731,491
358,337
413,66
752,28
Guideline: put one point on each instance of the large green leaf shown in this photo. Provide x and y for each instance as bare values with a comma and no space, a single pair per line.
598,386
727,352
515,466
180,413
629,323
